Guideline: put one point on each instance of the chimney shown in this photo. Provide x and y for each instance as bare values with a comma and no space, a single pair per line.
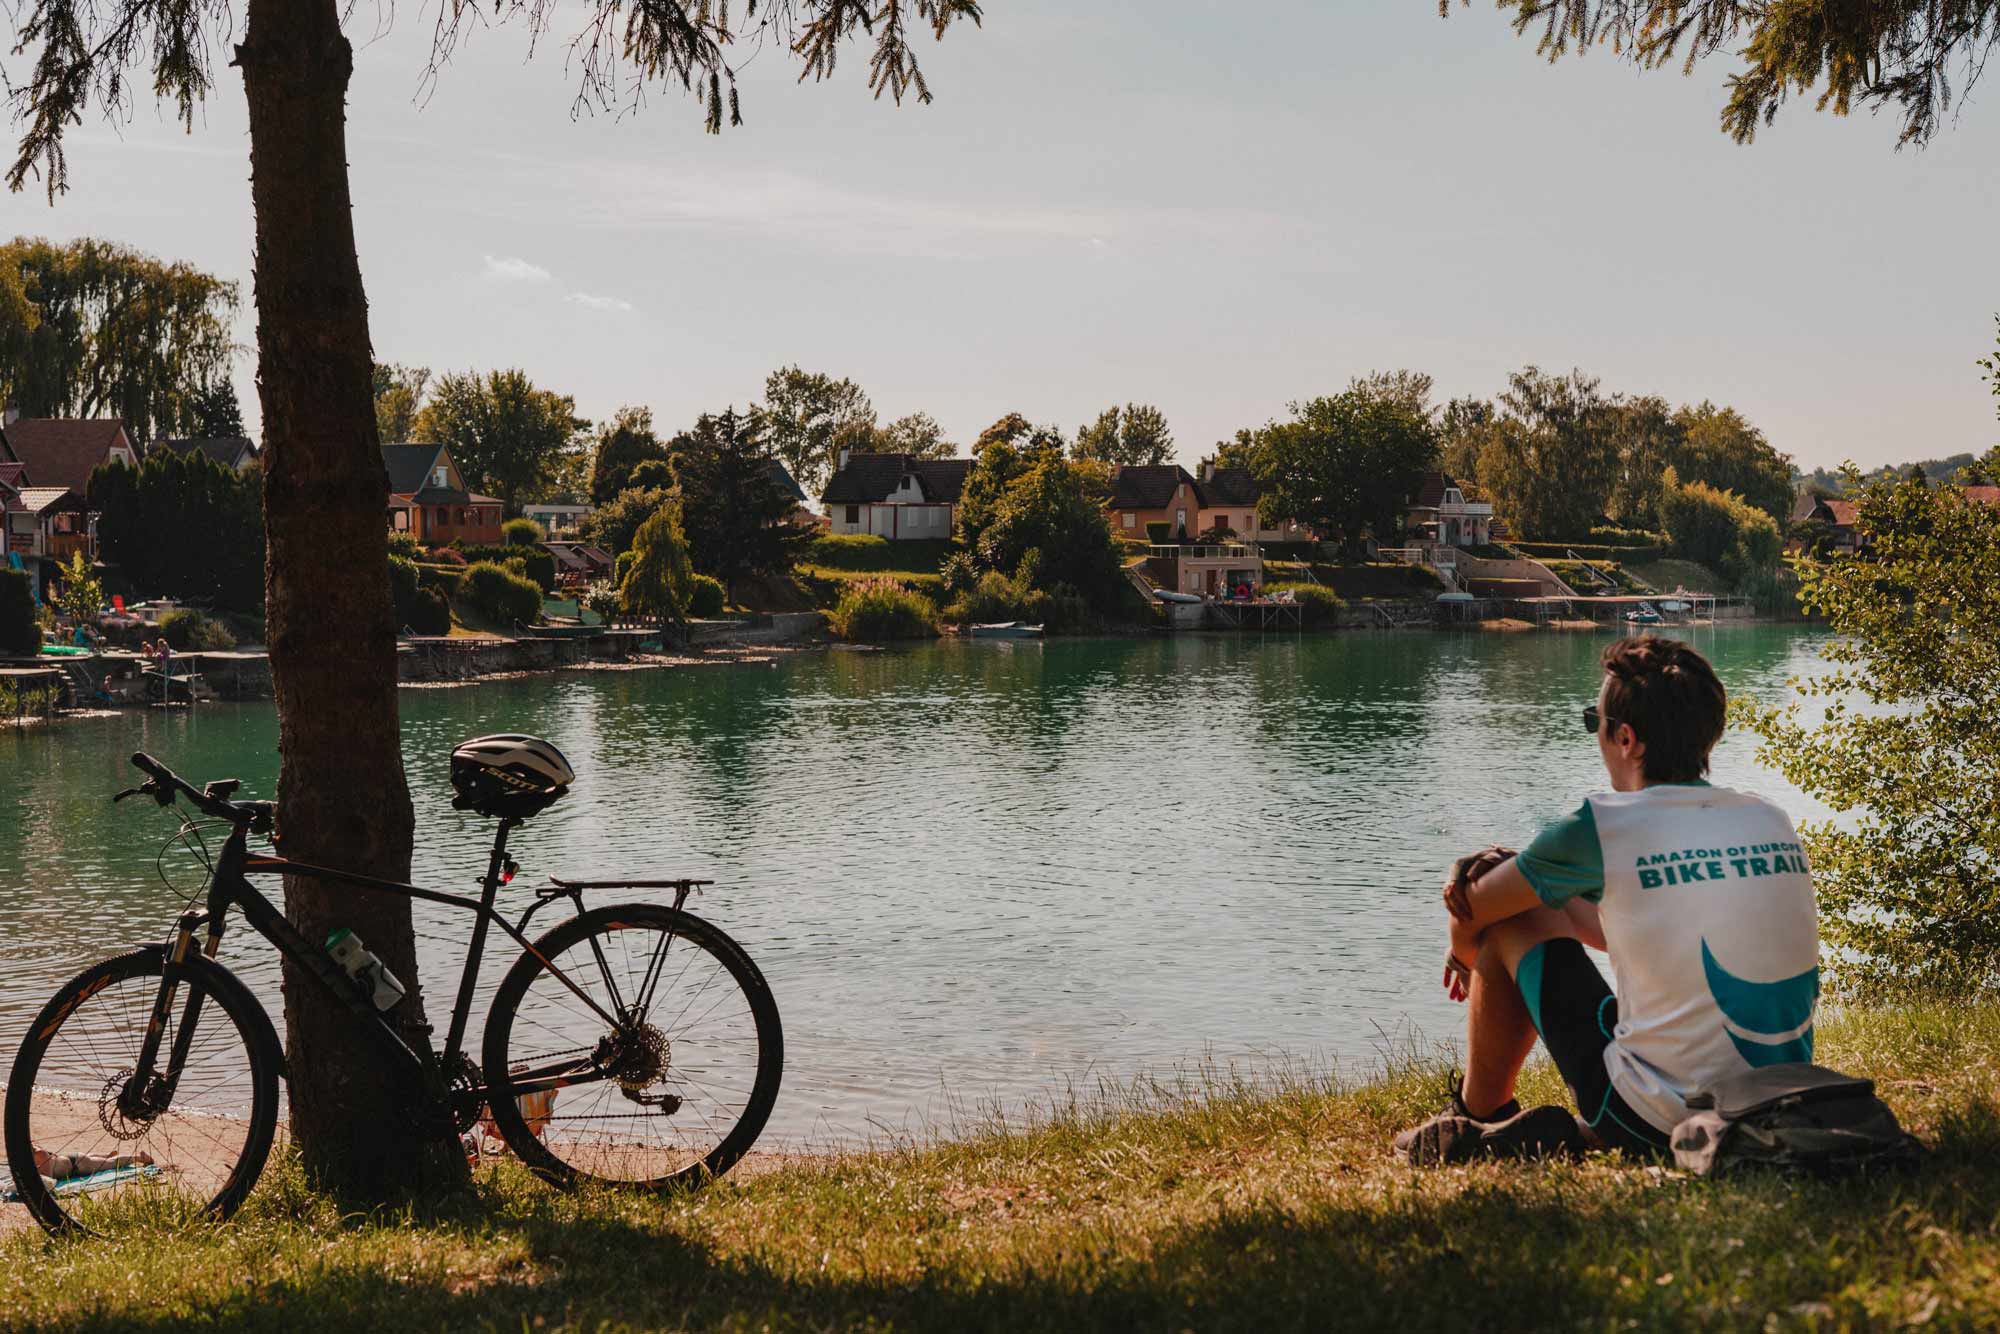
1208,470
845,452
8,416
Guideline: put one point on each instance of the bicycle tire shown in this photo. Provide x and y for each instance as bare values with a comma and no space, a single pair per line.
498,1047
220,988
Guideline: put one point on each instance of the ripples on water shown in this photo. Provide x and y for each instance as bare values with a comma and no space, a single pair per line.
968,870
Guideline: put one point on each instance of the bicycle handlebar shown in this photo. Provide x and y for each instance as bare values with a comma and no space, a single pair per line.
167,784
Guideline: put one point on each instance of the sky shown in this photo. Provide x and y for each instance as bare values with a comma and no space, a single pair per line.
1216,206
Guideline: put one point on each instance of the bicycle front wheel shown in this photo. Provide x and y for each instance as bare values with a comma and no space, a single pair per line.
635,1045
89,1136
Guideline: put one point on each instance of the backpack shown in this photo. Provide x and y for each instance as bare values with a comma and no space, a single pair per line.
1794,1116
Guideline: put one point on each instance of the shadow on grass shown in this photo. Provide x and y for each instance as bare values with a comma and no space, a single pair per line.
1498,1247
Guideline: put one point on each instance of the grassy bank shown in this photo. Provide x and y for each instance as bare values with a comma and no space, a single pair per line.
1208,1206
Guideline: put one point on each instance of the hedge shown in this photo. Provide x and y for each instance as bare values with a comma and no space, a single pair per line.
421,606
1318,604
501,595
1627,537
522,533
20,632
867,553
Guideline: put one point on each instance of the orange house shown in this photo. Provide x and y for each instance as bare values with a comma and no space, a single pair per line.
428,499
1155,493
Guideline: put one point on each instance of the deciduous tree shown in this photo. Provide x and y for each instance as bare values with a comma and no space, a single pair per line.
505,435
1343,465
623,443
810,417
1551,459
399,397
918,434
343,799
147,514
115,333
1134,436
661,578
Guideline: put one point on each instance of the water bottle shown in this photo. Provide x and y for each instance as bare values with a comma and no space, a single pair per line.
377,982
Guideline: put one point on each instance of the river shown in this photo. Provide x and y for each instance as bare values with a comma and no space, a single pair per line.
975,874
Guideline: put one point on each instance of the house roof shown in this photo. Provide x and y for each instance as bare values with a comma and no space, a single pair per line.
579,556
61,451
1984,495
227,450
781,477
1148,486
409,467
1229,486
1842,511
1803,505
869,478
1430,492
41,499
13,475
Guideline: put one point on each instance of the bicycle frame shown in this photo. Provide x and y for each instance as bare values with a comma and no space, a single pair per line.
230,887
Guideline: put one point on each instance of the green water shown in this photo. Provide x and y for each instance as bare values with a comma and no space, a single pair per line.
971,871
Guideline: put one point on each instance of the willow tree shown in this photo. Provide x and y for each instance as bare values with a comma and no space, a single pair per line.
113,332
1904,54
331,628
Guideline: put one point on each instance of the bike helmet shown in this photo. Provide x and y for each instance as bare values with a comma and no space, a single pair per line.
509,776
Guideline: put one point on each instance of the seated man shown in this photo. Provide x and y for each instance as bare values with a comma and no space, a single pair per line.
1700,895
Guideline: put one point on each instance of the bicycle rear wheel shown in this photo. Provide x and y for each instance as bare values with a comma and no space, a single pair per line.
191,1150
664,1076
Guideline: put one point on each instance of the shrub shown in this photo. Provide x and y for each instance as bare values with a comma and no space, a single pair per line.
405,545
868,553
537,563
501,595
421,607
20,632
1719,529
522,533
1318,604
958,573
881,610
603,599
1159,532
447,556
706,596
446,579
190,631
622,570
996,597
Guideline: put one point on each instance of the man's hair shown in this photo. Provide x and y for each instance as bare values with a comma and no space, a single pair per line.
1669,696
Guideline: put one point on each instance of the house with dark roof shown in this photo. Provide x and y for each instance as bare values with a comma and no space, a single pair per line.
562,520
1837,516
897,496
64,451
1440,514
230,451
429,500
1151,493
1229,497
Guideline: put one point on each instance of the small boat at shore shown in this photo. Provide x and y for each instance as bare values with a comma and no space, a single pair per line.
1644,614
1007,630
1168,595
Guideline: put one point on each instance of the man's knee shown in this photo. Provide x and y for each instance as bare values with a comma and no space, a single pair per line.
1504,944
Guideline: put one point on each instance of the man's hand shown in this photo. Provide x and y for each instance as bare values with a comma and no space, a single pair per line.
1464,872
1458,960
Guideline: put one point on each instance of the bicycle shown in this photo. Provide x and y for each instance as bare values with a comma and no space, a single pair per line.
582,1083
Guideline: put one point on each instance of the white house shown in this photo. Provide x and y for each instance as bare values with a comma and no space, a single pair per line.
897,496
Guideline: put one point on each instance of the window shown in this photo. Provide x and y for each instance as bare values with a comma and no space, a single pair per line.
438,477
1129,518
402,521
854,514
444,516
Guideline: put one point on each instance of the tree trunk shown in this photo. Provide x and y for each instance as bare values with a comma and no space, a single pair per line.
342,799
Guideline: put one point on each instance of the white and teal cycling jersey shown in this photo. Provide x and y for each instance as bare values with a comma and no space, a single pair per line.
1707,906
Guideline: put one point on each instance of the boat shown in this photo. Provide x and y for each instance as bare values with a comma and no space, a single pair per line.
1007,630
1168,595
1673,605
1456,597
1643,614
558,630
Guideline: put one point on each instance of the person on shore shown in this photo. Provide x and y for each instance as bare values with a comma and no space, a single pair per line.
1700,895
56,1168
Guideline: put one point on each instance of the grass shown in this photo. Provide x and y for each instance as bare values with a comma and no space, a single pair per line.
1206,1203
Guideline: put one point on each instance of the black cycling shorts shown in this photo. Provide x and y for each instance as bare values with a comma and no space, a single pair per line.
1575,1013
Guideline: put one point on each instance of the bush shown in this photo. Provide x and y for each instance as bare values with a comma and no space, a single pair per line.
537,563
604,600
1719,529
958,573
522,533
405,545
499,594
996,597
447,556
1318,604
421,607
20,632
190,631
881,610
706,596
445,579
622,569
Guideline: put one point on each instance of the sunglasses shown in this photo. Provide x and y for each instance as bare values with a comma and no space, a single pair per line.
1593,721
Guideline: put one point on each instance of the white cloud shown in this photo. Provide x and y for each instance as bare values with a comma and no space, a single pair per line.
600,302
509,269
